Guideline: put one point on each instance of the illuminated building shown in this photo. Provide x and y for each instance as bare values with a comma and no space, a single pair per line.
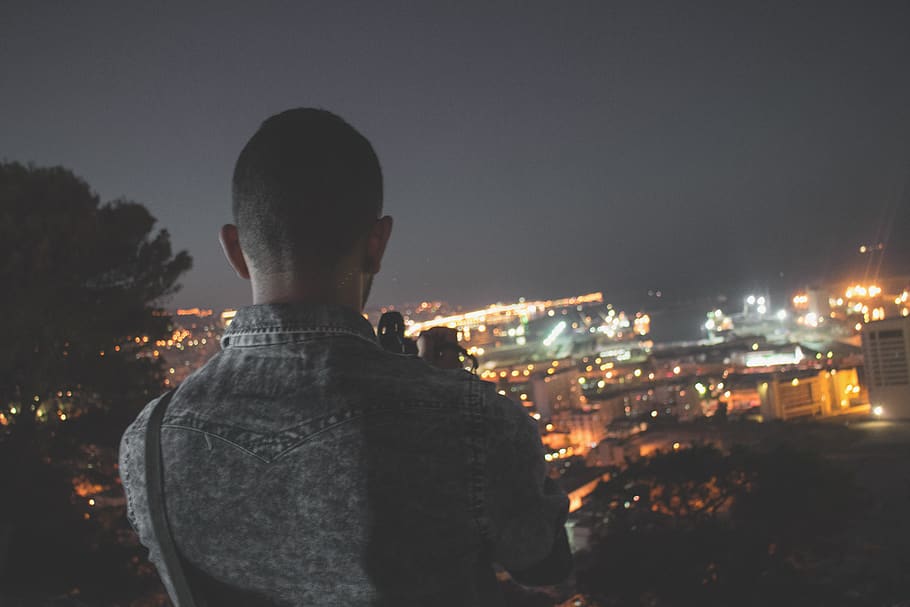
756,305
886,349
502,314
200,312
854,303
717,322
558,392
770,358
810,394
581,482
642,324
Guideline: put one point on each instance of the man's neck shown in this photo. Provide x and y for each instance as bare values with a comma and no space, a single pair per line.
343,289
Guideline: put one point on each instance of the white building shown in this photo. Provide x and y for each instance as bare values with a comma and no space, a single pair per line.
886,350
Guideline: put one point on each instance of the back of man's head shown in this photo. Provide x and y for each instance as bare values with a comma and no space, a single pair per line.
306,188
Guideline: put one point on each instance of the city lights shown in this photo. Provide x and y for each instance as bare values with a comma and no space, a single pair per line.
725,421
557,330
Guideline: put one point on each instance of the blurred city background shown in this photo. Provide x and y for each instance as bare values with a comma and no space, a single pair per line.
675,235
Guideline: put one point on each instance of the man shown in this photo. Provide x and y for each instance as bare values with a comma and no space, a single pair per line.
305,465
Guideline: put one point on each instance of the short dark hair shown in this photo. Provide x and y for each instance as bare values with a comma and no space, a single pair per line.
306,187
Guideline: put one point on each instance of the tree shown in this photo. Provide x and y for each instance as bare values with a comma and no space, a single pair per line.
83,281
82,286
701,527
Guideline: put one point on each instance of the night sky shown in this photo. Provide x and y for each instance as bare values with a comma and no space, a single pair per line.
532,148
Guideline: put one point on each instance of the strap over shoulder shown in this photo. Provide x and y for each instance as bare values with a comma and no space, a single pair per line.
155,490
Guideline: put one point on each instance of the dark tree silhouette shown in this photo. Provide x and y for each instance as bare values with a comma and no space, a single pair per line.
82,282
700,527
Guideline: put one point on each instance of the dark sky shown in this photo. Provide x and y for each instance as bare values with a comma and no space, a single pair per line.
529,148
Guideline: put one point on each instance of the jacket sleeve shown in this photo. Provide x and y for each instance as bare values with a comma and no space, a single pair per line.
131,475
526,509
131,464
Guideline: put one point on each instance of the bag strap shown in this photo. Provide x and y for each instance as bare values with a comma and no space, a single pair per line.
155,491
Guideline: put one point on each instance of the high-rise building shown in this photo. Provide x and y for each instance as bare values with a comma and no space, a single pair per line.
886,350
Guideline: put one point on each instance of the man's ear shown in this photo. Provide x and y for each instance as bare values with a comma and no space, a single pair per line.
230,242
377,239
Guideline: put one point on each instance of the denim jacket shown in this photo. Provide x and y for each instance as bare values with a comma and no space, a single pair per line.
305,465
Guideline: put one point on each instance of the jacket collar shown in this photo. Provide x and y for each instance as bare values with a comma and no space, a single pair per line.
261,323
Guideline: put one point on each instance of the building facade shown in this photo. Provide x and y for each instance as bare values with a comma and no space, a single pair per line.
886,350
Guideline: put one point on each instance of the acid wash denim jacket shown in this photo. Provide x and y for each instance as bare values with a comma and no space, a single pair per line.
305,465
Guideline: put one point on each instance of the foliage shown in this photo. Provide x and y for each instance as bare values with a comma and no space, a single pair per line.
82,281
703,527
58,544
45,542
